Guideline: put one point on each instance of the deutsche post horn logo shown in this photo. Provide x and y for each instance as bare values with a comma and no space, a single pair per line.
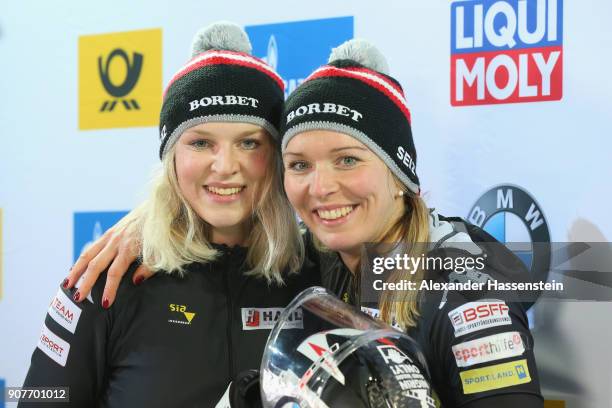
131,78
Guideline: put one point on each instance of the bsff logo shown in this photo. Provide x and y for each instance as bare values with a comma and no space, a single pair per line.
485,310
506,51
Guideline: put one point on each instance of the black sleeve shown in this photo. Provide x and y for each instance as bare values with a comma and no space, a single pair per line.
71,350
483,350
507,401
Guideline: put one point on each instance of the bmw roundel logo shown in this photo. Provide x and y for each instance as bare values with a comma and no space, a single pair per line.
512,216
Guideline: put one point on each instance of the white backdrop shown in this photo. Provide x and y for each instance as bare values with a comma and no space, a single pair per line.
557,151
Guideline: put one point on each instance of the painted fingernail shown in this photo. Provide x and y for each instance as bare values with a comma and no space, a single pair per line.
139,280
65,283
77,296
105,303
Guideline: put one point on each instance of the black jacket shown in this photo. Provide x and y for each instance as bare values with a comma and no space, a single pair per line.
461,380
170,342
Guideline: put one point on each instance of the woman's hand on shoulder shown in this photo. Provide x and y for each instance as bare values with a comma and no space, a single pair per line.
118,247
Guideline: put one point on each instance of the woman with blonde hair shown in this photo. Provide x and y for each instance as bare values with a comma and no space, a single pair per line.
218,231
350,174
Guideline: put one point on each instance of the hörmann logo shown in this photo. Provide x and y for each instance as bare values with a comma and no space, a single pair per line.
506,51
265,318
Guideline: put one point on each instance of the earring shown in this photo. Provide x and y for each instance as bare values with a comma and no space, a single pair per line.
400,193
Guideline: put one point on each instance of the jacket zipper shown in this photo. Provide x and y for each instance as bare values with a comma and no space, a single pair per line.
230,309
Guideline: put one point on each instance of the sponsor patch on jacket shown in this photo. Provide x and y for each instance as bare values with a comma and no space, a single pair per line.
490,348
495,376
264,318
64,311
179,314
475,316
78,285
53,346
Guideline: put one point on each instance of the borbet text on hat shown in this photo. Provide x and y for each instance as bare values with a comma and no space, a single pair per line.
353,94
221,83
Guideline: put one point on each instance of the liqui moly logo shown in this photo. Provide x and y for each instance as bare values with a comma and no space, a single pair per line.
506,51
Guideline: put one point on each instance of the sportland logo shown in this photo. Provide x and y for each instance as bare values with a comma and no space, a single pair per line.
506,51
295,49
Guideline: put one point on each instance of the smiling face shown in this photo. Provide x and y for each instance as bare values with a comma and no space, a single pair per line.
221,169
340,189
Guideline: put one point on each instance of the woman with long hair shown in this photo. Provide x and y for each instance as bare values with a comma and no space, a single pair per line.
220,234
350,174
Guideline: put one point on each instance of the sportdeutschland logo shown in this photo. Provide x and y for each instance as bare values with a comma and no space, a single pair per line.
511,214
131,78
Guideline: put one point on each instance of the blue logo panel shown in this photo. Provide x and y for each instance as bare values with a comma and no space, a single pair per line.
295,49
494,25
89,226
2,405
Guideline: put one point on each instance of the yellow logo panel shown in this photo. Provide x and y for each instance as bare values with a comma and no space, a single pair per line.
494,377
120,79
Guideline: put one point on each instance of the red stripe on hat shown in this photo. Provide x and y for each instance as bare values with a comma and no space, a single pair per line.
225,60
379,76
330,71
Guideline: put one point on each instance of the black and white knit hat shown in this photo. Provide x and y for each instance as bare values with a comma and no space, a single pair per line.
221,83
353,94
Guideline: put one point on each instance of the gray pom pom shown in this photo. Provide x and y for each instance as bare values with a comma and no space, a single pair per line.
222,35
363,52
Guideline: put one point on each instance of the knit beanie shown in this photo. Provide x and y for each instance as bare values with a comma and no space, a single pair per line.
222,82
354,94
